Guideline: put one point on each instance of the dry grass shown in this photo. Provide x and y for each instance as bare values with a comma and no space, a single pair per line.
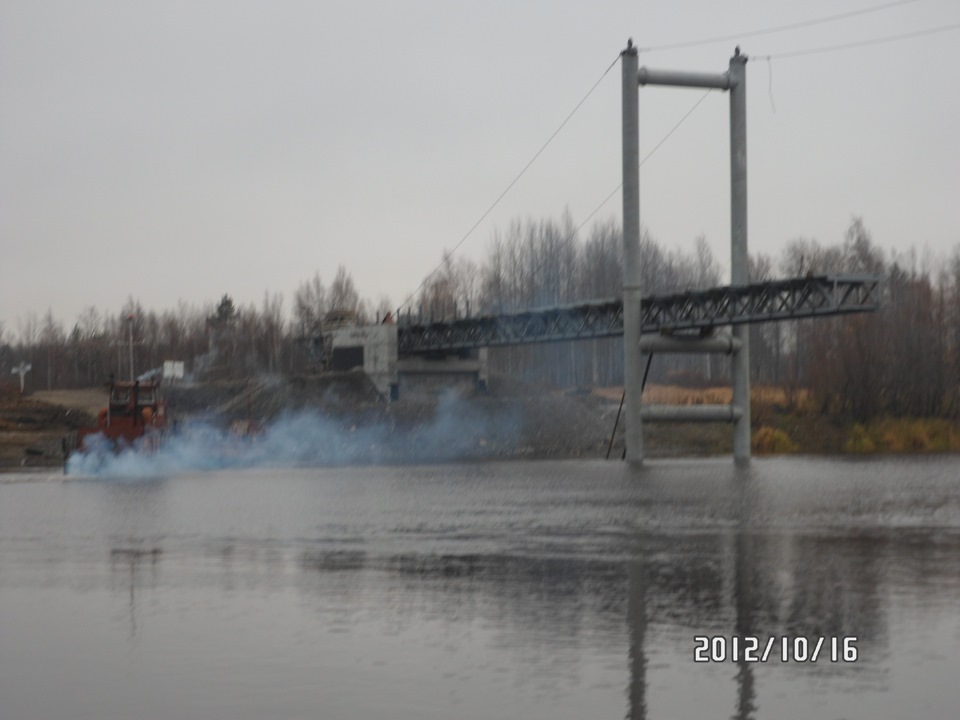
90,400
672,395
678,395
772,441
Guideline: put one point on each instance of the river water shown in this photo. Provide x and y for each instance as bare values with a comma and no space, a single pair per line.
490,590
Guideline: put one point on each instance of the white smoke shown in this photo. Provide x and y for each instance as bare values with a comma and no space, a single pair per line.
303,439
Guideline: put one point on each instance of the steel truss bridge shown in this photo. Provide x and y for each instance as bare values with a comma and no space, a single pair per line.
687,312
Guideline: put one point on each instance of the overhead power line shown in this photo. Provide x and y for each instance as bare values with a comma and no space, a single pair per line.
692,43
513,182
593,212
644,160
777,28
795,53
860,43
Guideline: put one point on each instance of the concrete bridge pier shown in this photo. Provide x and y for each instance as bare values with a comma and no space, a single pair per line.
373,349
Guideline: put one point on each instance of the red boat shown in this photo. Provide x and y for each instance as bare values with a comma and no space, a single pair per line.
134,411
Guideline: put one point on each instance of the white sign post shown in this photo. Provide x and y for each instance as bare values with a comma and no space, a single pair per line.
172,370
22,369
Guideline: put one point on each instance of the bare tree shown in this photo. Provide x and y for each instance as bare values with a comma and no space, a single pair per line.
384,310
271,329
454,290
343,292
28,330
52,341
706,267
310,305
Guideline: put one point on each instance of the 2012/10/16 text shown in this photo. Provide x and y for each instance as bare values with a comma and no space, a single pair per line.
747,648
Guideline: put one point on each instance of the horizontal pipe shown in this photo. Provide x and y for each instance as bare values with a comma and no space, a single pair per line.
690,413
717,81
725,344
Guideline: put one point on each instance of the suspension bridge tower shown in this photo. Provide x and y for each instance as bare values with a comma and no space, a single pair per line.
636,348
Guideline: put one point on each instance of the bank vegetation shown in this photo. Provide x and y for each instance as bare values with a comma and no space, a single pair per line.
890,379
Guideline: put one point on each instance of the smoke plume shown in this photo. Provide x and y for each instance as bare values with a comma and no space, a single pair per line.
455,430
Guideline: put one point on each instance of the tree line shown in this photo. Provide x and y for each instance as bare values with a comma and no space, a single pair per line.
902,360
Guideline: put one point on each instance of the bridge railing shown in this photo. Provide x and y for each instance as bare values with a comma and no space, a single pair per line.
697,310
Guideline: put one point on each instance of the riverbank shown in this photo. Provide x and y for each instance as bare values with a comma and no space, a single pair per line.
32,427
512,419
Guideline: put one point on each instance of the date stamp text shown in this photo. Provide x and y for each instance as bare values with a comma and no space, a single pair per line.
785,649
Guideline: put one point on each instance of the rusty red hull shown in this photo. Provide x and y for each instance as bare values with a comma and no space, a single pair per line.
134,412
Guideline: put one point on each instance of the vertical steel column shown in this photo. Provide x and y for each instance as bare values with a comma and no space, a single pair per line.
738,247
632,359
130,322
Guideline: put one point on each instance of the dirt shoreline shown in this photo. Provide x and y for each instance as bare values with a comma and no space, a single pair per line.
513,420
32,429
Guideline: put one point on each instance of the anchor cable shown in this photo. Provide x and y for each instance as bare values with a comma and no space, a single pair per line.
644,159
776,28
860,43
512,182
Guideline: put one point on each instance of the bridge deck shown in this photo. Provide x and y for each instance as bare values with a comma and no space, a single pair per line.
689,311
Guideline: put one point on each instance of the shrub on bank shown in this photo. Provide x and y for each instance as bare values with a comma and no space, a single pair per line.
859,441
903,435
768,440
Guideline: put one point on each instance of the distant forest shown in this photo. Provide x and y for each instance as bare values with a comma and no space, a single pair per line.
903,360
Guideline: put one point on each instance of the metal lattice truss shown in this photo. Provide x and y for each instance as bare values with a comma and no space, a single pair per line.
699,310
567,322
763,302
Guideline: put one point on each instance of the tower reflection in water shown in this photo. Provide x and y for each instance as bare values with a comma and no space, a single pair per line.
761,575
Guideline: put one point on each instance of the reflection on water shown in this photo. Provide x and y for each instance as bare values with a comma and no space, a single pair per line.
496,590
126,568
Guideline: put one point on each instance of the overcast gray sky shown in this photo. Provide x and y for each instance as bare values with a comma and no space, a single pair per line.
182,150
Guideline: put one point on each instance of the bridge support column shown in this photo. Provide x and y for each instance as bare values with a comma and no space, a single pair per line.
738,248
734,80
632,321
